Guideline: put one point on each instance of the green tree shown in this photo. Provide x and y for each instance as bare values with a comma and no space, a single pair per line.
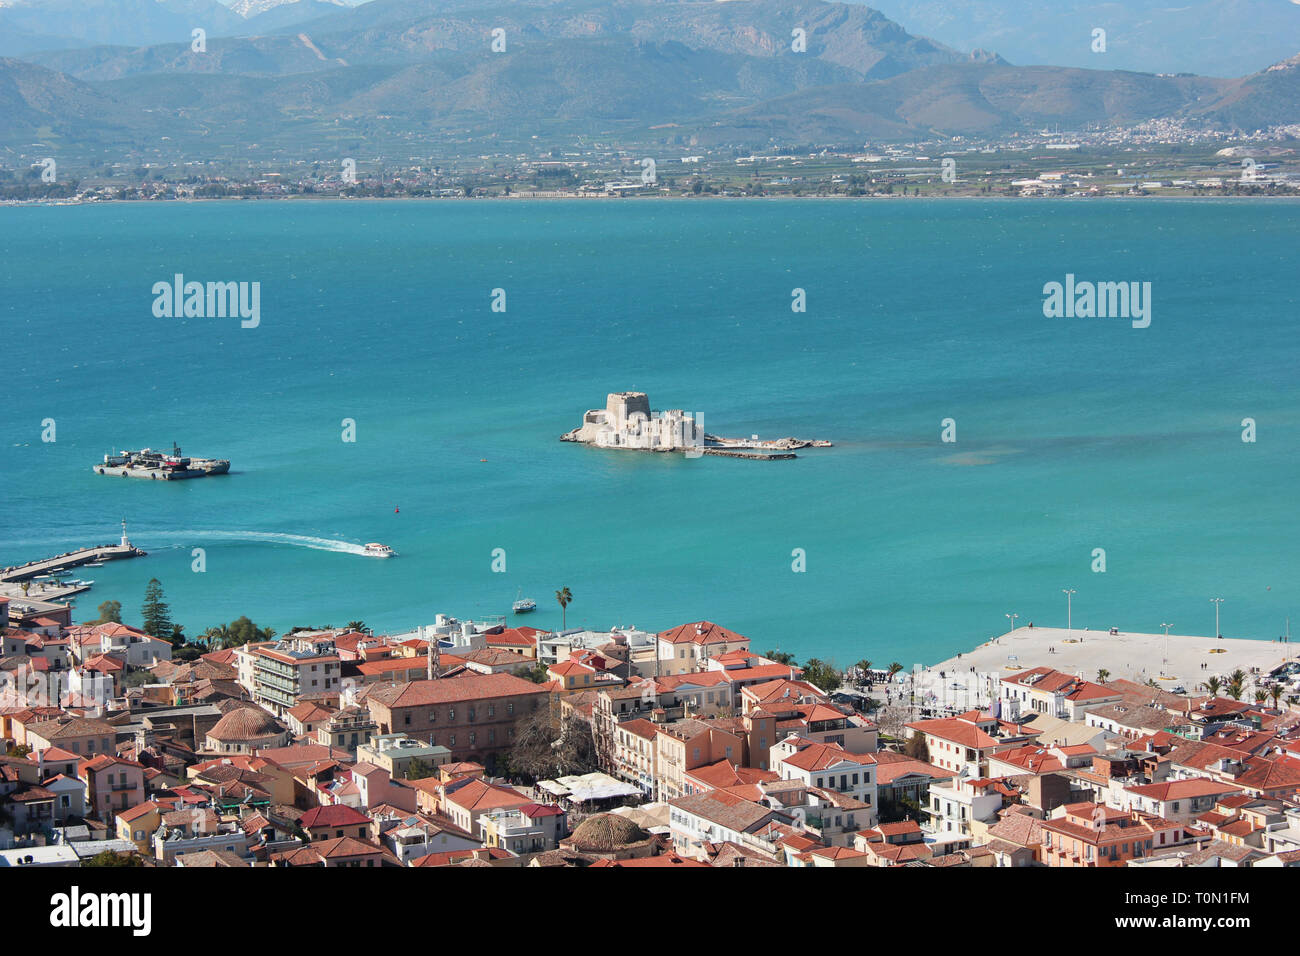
109,612
110,858
155,612
894,668
356,625
537,673
821,675
217,635
565,597
1276,693
780,657
863,666
418,769
239,632
1214,684
1103,675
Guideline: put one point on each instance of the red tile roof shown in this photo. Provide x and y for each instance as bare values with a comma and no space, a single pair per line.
700,632
335,815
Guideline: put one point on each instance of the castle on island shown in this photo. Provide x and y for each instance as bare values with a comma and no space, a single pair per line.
626,421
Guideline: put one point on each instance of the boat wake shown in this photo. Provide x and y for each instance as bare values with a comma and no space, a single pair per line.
268,537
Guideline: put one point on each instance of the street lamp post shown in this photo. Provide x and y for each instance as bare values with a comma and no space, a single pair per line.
1216,602
1012,619
1069,609
1166,660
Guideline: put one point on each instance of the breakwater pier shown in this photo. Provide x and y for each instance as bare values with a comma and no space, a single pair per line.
71,559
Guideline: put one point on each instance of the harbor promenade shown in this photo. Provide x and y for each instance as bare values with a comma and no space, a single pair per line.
1180,660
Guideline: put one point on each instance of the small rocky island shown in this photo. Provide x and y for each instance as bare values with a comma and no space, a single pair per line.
627,422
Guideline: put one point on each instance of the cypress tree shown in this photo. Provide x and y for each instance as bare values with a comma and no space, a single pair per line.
157,615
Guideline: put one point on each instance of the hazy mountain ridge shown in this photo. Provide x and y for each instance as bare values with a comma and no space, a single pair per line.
722,71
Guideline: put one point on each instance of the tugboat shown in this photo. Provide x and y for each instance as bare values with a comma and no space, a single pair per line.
523,605
376,550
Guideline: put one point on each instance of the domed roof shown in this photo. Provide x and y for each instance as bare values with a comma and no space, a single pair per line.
605,832
246,723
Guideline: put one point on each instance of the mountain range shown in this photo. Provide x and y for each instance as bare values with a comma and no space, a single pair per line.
294,73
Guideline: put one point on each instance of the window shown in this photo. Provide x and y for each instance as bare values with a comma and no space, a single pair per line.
492,711
451,713
510,707
406,719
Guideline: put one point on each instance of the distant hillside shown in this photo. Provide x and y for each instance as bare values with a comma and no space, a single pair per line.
970,100
405,32
723,72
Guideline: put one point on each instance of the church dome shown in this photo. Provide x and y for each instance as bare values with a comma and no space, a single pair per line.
606,832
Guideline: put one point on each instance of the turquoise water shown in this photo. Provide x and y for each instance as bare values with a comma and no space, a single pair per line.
1073,434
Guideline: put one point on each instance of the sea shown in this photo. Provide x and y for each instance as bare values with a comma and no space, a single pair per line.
1149,469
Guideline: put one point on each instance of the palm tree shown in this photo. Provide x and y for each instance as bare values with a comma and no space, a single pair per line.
1235,689
356,625
1238,676
1276,693
1102,675
864,665
564,596
1213,684
1260,696
894,668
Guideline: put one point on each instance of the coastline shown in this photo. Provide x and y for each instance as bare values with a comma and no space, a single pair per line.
528,198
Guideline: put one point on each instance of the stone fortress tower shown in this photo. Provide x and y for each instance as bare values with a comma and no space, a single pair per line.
621,406
627,421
